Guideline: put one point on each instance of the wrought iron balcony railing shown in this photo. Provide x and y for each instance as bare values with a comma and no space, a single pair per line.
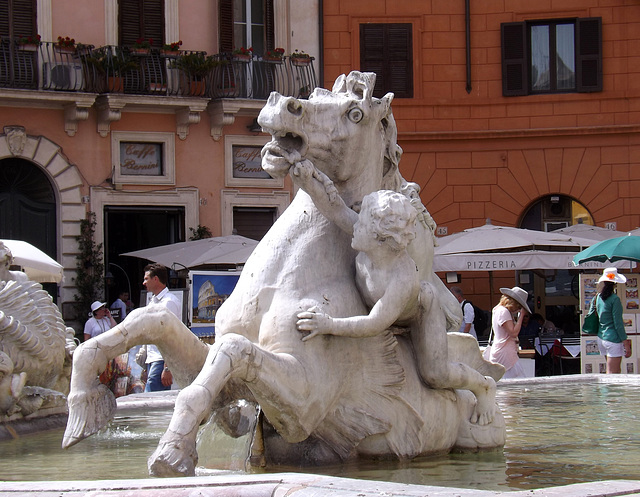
115,69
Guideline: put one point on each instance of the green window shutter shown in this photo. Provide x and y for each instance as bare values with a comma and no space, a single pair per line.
18,18
387,50
589,54
141,19
226,25
514,59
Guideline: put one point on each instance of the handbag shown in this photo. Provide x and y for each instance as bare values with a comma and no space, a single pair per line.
486,353
591,324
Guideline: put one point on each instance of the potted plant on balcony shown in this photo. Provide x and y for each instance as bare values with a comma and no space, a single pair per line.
172,49
112,67
142,46
196,66
65,44
274,55
243,54
29,43
300,58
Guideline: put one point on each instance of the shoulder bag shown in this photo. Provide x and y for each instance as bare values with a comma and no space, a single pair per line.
591,324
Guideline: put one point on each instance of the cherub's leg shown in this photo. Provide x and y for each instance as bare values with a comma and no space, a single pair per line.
429,340
231,357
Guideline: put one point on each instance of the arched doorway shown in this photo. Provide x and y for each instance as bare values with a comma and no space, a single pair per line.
28,208
555,291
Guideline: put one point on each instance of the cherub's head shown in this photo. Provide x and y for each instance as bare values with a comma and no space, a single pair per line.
389,217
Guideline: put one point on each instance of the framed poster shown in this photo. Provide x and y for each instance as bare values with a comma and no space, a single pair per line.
209,289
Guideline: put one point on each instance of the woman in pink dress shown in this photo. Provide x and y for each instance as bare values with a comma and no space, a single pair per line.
504,349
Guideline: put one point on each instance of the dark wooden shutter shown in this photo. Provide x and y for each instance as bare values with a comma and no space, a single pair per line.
226,25
514,59
387,50
589,54
141,19
269,25
18,18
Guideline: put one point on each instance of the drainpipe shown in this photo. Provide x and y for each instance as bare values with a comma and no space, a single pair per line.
321,43
467,19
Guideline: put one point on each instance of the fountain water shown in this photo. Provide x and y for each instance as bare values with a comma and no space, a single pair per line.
560,430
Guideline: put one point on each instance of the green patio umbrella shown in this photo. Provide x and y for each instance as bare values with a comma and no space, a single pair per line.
622,248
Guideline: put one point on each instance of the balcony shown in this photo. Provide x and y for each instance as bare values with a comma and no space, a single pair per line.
112,77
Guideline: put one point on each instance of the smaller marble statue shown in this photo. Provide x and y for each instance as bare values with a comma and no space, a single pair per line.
388,280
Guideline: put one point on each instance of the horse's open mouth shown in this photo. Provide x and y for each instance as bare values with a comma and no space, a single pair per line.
284,150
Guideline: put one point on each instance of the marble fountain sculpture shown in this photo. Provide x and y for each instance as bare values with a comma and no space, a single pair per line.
341,366
35,348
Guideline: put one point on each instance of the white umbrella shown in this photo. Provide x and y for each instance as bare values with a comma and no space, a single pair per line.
231,249
588,231
504,248
36,264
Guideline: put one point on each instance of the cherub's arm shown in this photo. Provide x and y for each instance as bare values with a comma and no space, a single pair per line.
324,195
384,313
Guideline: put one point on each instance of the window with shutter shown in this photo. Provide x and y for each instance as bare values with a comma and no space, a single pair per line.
246,23
18,18
141,19
387,50
552,56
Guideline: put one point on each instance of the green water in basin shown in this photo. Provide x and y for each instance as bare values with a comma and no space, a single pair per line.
556,435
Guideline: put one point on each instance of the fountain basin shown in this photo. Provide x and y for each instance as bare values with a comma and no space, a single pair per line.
556,434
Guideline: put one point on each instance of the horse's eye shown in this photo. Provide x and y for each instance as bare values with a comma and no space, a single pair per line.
355,115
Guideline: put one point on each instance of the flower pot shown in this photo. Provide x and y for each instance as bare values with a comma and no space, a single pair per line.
242,57
273,60
140,51
115,84
171,53
60,49
28,47
157,87
301,61
196,88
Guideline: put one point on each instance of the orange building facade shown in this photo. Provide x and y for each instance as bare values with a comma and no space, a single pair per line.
494,126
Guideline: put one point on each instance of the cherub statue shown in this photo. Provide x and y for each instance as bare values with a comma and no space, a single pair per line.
387,278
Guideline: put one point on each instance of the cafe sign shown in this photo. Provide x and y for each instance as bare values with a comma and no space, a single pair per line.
247,162
141,159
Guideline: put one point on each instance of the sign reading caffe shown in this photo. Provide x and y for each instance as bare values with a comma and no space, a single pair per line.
247,162
141,159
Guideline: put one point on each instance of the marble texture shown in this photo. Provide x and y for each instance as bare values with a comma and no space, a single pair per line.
330,398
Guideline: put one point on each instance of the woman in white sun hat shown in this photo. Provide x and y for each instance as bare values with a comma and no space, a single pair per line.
504,349
612,339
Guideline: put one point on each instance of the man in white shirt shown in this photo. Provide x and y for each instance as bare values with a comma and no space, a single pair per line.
468,314
155,280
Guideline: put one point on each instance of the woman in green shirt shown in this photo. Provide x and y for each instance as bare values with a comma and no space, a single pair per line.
612,339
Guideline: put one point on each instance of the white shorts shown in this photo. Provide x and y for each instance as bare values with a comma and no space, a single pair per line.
610,349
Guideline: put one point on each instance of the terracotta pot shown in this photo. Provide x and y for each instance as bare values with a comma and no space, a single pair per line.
115,84
171,53
65,49
140,51
157,87
299,61
196,88
28,47
242,57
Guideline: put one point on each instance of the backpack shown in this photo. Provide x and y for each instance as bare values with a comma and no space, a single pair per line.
480,318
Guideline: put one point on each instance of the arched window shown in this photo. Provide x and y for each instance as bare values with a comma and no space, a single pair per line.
554,212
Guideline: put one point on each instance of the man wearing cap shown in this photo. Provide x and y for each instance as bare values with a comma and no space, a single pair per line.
155,280
504,349
99,322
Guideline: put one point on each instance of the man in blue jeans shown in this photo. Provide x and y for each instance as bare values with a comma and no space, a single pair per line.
155,280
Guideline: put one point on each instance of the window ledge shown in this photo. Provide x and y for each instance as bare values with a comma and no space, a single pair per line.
76,105
187,110
223,112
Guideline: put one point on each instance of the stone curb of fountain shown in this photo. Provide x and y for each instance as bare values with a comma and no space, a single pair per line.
290,485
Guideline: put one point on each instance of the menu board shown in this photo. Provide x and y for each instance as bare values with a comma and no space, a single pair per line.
590,358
